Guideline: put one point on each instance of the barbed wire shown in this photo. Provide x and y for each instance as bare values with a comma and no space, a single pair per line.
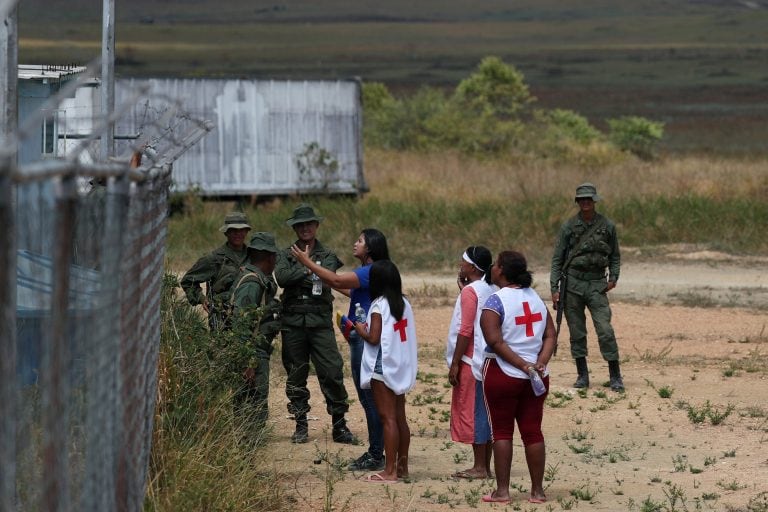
79,386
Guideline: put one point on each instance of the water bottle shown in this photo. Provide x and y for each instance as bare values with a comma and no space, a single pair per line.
317,284
536,383
360,315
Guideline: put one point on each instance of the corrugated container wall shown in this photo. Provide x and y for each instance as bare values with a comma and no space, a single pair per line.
270,137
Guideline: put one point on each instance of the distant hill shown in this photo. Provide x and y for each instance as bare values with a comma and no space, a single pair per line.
701,66
240,11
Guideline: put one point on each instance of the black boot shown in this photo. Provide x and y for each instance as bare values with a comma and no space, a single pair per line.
582,379
616,383
341,433
301,435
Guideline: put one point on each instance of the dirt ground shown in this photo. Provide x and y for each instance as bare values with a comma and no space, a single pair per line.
692,331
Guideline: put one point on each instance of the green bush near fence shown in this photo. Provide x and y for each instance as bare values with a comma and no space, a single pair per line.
198,443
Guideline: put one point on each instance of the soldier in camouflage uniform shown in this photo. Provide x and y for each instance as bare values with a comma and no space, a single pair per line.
307,330
218,270
256,312
586,246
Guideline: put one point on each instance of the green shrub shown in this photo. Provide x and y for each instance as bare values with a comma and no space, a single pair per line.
487,109
198,443
565,136
488,115
482,116
409,123
418,120
495,88
479,134
380,109
636,135
569,125
376,96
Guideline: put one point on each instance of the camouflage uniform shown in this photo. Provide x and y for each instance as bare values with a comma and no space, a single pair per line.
307,331
218,269
587,283
254,289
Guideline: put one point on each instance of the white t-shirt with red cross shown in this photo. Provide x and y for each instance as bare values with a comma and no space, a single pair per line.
398,349
523,321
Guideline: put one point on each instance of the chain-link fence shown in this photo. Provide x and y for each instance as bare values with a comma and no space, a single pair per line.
81,270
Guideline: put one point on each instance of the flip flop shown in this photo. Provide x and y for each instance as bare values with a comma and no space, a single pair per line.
536,500
490,498
378,479
464,474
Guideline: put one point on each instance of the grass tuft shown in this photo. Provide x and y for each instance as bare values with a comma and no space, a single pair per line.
198,442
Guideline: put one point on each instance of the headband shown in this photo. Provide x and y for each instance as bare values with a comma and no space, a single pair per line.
466,258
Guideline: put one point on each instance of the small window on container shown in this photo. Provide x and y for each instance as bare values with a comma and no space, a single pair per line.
50,125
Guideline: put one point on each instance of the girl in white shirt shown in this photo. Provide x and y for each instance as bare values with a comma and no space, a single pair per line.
388,366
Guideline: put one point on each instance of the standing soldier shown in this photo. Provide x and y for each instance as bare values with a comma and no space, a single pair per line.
218,270
307,329
586,246
256,310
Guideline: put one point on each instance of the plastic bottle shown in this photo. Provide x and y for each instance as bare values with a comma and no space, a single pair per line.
360,315
536,383
317,284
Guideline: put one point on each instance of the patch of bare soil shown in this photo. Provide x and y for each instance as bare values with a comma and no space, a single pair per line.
690,433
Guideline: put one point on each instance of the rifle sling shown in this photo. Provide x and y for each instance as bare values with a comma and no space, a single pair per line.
600,223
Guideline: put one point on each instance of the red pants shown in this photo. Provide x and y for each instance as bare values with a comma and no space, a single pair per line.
508,400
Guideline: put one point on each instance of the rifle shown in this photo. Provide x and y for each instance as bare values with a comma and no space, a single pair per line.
562,291
213,319
562,287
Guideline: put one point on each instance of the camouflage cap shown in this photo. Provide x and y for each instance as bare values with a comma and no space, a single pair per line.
303,213
235,220
263,241
587,190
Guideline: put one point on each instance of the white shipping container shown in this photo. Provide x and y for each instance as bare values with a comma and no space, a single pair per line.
270,137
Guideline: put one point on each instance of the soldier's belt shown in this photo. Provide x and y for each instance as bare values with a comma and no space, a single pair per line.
586,276
306,308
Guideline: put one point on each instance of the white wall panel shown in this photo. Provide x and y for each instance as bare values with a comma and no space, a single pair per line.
260,128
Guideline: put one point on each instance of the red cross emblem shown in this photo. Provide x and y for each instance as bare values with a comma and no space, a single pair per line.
528,319
400,326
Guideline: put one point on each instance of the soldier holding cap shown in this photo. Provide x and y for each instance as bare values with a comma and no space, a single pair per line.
257,311
586,247
307,329
218,270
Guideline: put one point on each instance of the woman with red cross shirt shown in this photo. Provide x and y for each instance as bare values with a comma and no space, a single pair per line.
520,337
389,364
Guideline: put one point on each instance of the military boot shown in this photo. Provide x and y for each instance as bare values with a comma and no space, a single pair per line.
301,435
616,382
341,434
582,379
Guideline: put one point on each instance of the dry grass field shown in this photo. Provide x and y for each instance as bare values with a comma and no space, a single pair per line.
690,433
414,176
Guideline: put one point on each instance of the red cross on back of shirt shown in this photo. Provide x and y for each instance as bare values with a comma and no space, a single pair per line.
400,326
528,319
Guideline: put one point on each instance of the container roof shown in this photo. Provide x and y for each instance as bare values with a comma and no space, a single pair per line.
46,71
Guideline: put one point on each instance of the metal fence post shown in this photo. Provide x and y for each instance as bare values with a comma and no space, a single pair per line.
107,147
8,150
